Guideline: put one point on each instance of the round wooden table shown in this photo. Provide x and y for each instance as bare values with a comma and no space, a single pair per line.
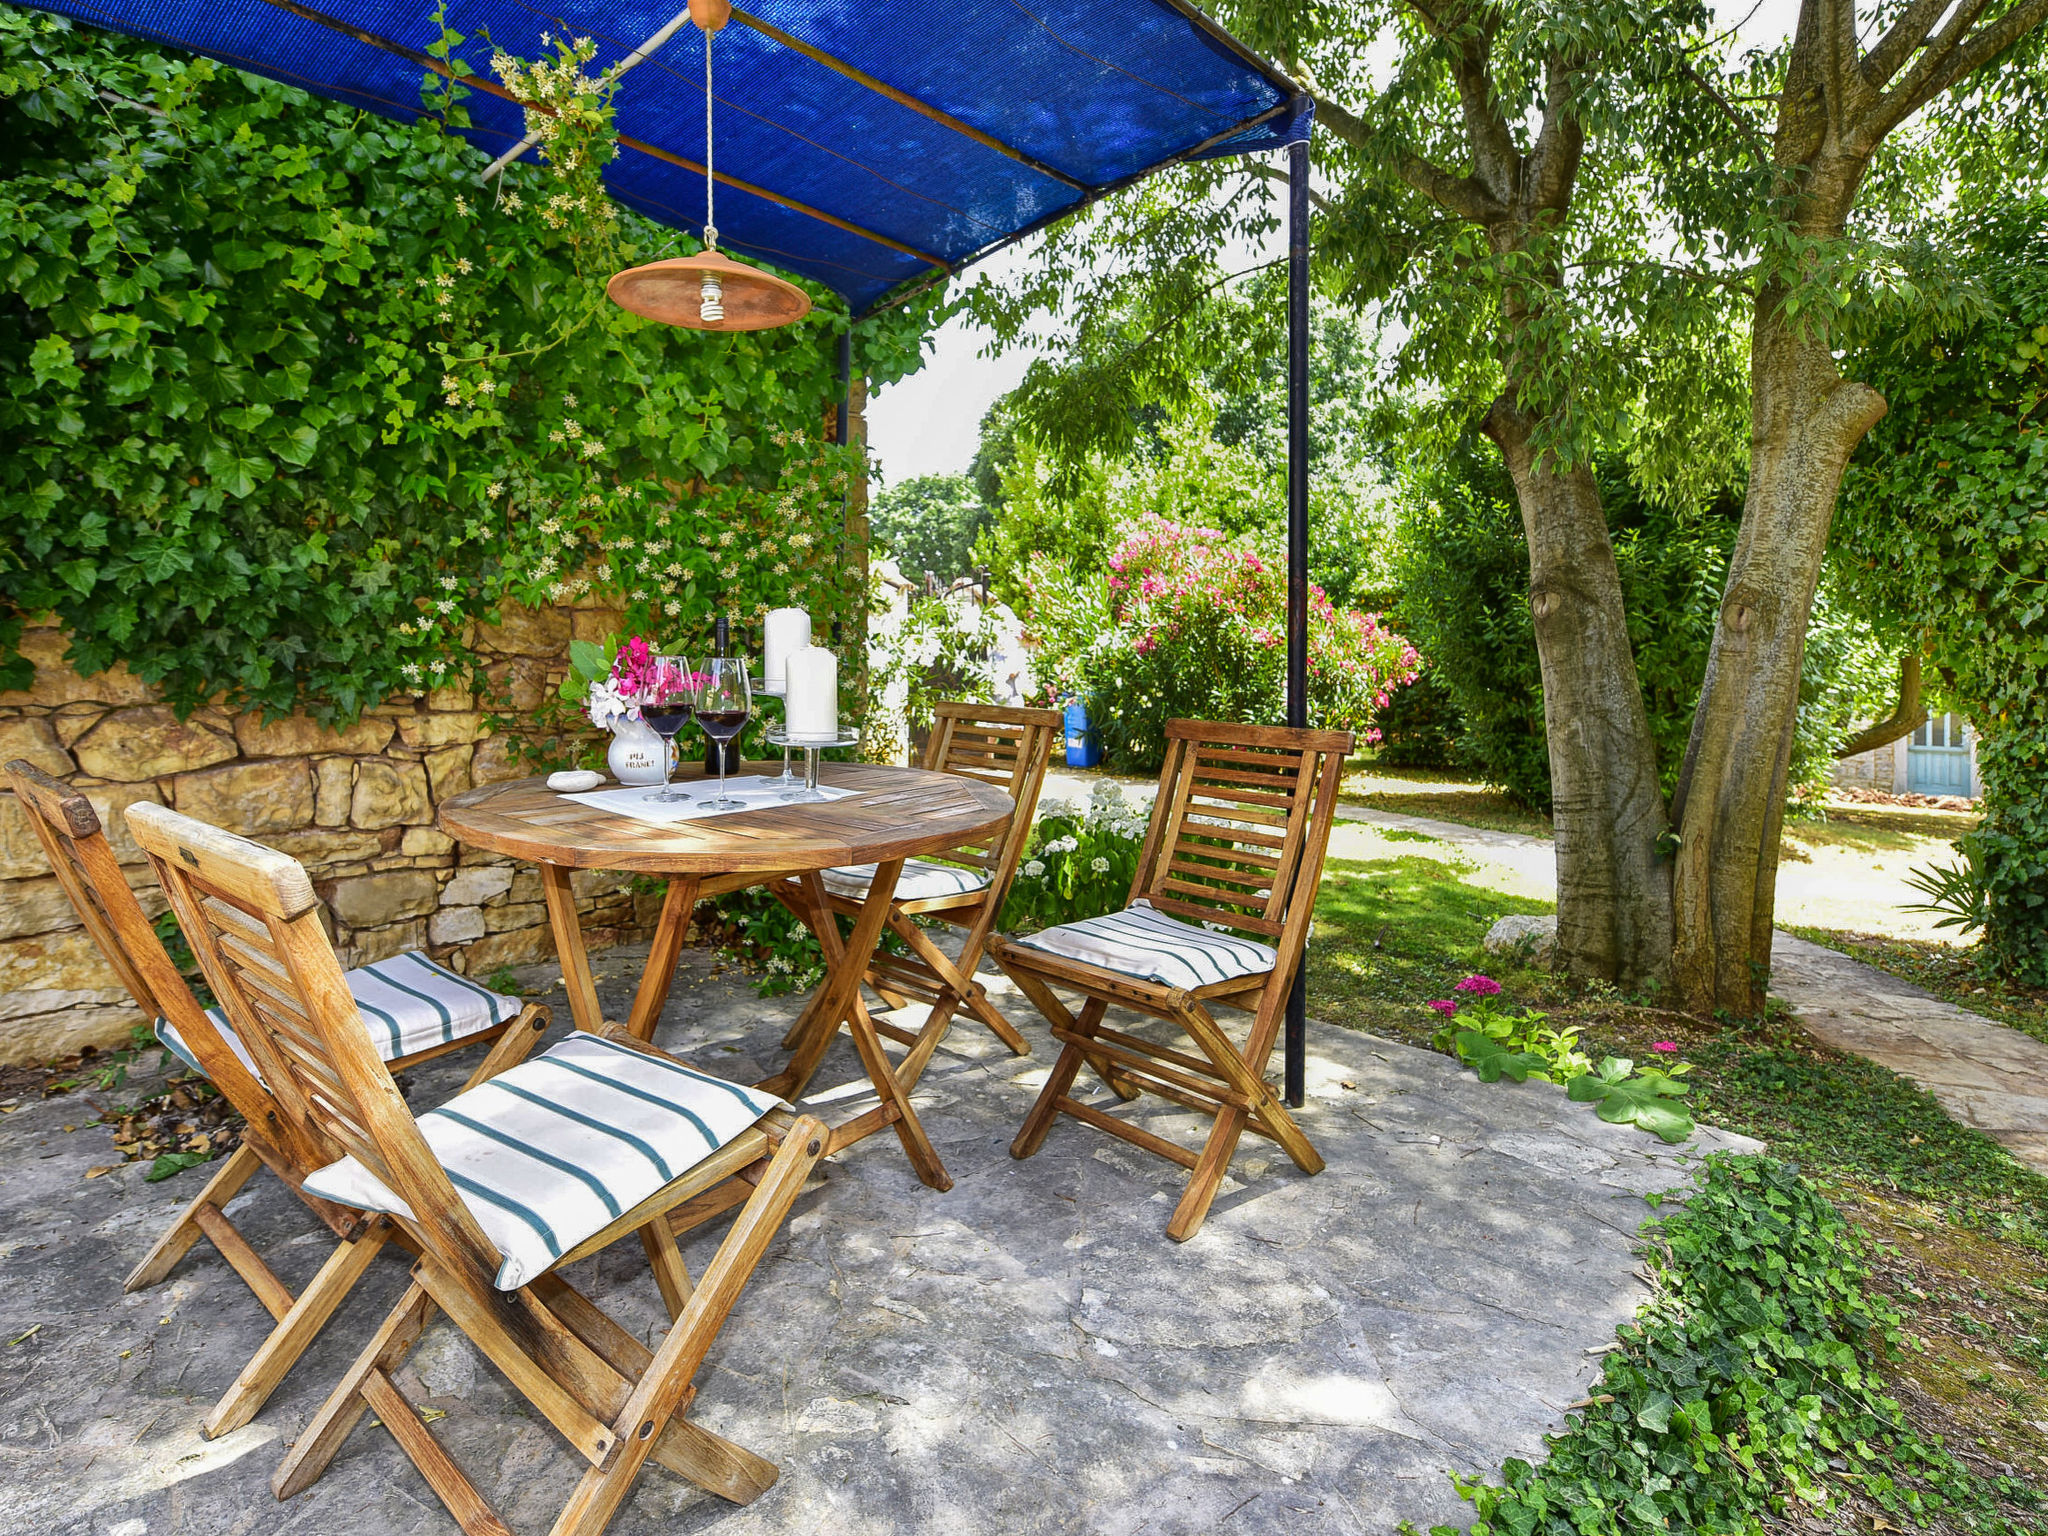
892,814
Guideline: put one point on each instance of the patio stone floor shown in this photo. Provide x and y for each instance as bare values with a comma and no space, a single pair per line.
1026,1353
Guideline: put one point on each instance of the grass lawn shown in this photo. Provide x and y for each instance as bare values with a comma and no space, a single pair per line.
1959,1229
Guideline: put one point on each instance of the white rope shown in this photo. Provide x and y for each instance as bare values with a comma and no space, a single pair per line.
710,225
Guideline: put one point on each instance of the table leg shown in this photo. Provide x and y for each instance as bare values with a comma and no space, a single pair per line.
832,1001
676,909
561,900
835,1002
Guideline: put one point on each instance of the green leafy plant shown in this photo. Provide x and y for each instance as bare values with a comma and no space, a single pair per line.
1079,862
289,409
1746,1389
1959,894
1648,1098
1482,1033
1942,528
1493,1059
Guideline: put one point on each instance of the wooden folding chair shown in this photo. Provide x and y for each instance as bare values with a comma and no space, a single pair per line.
599,1137
85,866
1219,913
1008,748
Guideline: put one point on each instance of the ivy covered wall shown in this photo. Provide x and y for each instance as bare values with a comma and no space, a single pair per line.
289,401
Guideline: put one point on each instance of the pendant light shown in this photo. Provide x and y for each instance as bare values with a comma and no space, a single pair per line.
709,291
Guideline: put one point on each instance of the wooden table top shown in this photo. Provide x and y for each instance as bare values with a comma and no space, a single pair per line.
896,813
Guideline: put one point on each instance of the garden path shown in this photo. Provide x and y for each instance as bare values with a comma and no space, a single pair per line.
1828,882
1983,1074
1026,1353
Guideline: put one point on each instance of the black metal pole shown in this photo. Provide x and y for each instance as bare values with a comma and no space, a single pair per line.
1297,545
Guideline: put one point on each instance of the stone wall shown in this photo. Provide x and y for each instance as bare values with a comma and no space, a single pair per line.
356,805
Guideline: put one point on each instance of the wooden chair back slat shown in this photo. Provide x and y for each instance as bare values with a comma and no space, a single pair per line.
254,923
1002,746
1234,810
92,879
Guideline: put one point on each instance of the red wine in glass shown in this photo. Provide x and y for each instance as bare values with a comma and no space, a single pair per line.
723,702
666,708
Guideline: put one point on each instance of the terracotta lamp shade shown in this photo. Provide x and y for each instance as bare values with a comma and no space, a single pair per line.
672,292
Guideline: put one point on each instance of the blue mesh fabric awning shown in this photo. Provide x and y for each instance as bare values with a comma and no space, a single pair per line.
929,131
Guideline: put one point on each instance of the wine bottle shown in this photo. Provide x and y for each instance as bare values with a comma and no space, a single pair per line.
721,642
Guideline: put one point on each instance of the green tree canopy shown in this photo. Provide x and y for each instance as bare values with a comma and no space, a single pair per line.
929,523
1943,533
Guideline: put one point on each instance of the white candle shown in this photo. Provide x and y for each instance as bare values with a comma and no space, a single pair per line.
783,632
811,706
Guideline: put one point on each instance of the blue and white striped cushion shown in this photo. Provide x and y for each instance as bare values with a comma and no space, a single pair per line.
559,1147
1144,942
921,880
407,1003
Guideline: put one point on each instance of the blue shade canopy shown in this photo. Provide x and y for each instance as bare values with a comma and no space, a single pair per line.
885,142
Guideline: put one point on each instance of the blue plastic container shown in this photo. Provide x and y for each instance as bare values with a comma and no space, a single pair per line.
1084,747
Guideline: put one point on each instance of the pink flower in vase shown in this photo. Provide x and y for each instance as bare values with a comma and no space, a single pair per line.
1446,1006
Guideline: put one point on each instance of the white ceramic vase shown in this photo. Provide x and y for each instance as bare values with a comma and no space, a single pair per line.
636,754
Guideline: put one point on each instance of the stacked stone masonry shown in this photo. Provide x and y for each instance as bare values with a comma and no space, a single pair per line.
356,805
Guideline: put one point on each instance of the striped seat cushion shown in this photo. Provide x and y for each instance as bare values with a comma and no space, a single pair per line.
920,881
559,1147
1144,942
407,1003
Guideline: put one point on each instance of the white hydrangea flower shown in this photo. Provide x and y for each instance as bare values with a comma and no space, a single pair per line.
606,706
1034,868
1099,865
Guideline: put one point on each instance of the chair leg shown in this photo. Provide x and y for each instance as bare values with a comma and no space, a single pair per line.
294,1332
514,1046
665,1385
239,1167
1245,1071
320,1440
666,1260
1203,1183
1048,1003
1031,1136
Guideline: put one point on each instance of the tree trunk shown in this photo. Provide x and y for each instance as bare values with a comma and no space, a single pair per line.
1806,421
1614,916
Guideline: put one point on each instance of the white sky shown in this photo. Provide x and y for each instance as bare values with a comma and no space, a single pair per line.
930,423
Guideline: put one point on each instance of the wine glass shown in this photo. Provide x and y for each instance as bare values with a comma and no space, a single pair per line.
666,704
723,700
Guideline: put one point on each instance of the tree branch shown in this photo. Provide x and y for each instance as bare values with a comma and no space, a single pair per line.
1465,196
1899,42
1950,58
1907,716
1839,43
1553,165
1274,173
1496,160
1759,145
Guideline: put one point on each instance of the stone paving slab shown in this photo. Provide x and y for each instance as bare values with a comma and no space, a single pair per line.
1982,1072
1026,1353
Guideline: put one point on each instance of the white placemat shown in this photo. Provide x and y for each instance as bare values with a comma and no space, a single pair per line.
755,792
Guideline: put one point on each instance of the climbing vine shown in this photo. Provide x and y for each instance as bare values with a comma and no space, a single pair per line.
291,402
1943,526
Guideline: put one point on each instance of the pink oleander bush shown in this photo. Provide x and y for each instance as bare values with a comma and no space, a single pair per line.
1195,624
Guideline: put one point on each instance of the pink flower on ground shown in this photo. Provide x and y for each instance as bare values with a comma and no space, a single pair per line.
1666,1046
1443,1005
1479,986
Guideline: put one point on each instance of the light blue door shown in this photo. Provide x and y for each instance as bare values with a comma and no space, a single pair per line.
1938,759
